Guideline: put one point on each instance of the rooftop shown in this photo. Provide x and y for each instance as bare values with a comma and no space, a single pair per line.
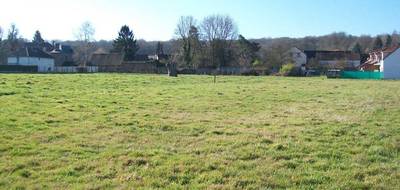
31,52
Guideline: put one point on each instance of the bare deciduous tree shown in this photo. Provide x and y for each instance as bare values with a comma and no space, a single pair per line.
218,27
184,25
86,32
13,33
85,36
219,32
13,38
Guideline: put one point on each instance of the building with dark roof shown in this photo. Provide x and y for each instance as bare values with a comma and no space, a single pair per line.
32,56
45,46
102,58
63,55
333,58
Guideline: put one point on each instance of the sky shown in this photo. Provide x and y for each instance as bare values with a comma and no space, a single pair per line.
155,20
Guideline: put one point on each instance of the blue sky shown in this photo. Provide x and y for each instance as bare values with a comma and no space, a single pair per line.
156,19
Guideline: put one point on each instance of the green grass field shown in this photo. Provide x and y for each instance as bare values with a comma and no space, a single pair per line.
105,131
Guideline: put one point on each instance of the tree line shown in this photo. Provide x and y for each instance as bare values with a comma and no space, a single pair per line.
212,42
273,50
215,42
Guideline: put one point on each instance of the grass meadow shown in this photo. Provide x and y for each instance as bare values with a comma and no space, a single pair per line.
122,131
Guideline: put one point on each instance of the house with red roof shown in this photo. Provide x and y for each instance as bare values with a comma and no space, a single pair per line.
386,61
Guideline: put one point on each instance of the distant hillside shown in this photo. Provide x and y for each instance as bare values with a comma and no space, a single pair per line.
339,41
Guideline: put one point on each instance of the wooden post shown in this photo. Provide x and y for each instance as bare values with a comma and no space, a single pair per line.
215,78
215,75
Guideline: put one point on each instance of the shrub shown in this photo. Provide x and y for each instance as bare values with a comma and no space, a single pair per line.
250,73
288,70
257,63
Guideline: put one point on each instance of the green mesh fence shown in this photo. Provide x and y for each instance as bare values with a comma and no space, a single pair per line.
361,75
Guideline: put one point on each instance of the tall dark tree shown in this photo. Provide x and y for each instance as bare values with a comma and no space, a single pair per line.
1,34
247,51
187,33
389,41
378,43
160,48
126,43
2,48
357,48
37,39
194,41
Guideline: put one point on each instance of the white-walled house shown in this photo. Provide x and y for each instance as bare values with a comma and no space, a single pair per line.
386,61
299,57
324,57
29,56
390,66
